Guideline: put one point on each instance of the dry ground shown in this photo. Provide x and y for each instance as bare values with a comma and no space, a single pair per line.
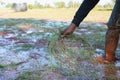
64,14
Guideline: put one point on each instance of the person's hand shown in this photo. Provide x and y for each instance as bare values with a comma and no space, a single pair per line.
69,30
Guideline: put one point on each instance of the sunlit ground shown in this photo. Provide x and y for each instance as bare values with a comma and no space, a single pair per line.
64,14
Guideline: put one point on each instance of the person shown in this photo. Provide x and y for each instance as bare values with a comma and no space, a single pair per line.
112,33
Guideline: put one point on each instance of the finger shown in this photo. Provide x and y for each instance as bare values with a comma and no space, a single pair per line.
62,36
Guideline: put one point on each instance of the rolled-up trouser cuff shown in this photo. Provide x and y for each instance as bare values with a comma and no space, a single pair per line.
118,22
114,25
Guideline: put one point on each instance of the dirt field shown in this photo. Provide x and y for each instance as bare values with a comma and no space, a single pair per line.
55,14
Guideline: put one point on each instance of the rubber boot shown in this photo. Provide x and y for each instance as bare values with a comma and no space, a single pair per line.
112,37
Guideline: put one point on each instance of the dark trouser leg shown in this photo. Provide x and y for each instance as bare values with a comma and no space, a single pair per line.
112,35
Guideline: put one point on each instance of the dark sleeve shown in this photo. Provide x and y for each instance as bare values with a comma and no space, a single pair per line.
114,20
83,10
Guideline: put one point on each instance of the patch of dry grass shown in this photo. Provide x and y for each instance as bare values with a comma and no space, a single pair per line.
63,14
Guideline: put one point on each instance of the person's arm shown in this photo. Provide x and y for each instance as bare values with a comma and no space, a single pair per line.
83,11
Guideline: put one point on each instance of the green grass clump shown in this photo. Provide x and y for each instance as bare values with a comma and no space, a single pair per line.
2,66
29,75
66,55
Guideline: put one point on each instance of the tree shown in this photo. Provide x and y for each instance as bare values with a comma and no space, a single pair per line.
72,4
9,5
2,3
48,6
60,4
113,0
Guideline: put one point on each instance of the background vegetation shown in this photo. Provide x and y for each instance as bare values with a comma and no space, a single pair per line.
61,4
